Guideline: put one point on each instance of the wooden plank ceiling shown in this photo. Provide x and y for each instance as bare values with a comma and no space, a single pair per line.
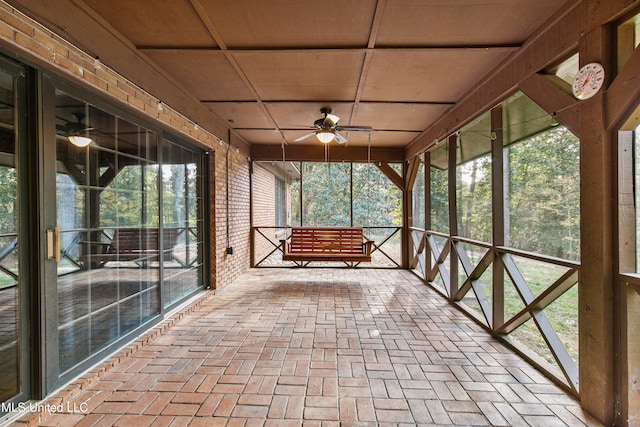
267,67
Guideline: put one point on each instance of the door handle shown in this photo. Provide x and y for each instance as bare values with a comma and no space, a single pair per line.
53,244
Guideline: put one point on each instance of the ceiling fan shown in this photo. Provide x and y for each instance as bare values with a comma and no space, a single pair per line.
327,128
77,131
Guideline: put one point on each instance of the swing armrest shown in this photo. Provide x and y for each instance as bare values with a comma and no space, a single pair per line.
368,247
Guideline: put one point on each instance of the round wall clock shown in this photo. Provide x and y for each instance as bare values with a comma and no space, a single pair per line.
588,81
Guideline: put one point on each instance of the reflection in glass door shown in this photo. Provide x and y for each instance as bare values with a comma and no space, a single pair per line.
12,319
183,221
107,275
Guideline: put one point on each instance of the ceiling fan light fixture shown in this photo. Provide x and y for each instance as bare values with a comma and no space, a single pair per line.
325,136
79,140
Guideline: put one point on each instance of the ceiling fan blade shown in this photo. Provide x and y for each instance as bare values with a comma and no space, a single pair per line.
305,136
330,120
354,128
339,138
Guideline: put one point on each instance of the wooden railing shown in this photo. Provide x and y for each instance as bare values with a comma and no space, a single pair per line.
501,288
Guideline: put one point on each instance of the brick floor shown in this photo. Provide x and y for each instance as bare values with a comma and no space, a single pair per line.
315,347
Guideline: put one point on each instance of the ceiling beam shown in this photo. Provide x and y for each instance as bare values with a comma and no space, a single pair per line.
317,153
363,50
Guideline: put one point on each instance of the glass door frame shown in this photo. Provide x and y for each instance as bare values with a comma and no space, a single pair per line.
26,165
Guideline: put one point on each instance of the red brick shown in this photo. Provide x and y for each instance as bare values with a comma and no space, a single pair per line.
135,421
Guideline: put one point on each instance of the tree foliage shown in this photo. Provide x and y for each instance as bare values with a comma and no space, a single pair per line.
439,200
542,195
131,199
8,201
345,194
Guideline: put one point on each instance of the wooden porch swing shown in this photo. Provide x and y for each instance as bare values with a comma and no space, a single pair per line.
345,244
342,244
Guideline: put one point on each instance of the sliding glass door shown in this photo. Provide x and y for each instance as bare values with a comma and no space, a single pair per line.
14,354
104,231
124,221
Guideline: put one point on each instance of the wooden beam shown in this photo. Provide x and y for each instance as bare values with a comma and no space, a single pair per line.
631,367
427,203
316,153
412,173
498,189
622,95
558,350
548,92
452,142
391,174
419,243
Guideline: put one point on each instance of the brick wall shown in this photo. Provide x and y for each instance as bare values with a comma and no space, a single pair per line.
239,221
264,197
264,213
31,42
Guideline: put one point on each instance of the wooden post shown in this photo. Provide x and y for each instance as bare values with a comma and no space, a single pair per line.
453,214
410,173
629,300
498,223
596,294
427,209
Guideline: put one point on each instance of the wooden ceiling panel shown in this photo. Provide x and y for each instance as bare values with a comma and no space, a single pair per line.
398,116
290,137
462,22
207,74
380,138
159,23
266,67
428,75
303,75
290,24
246,115
260,136
293,115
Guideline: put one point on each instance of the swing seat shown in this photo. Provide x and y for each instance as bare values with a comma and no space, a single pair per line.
345,244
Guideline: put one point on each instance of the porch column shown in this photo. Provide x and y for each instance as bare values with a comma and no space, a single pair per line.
596,292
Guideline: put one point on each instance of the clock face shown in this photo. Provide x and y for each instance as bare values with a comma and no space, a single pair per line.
588,81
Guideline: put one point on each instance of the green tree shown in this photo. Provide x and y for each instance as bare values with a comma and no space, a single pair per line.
544,194
8,200
131,199
439,199
342,194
